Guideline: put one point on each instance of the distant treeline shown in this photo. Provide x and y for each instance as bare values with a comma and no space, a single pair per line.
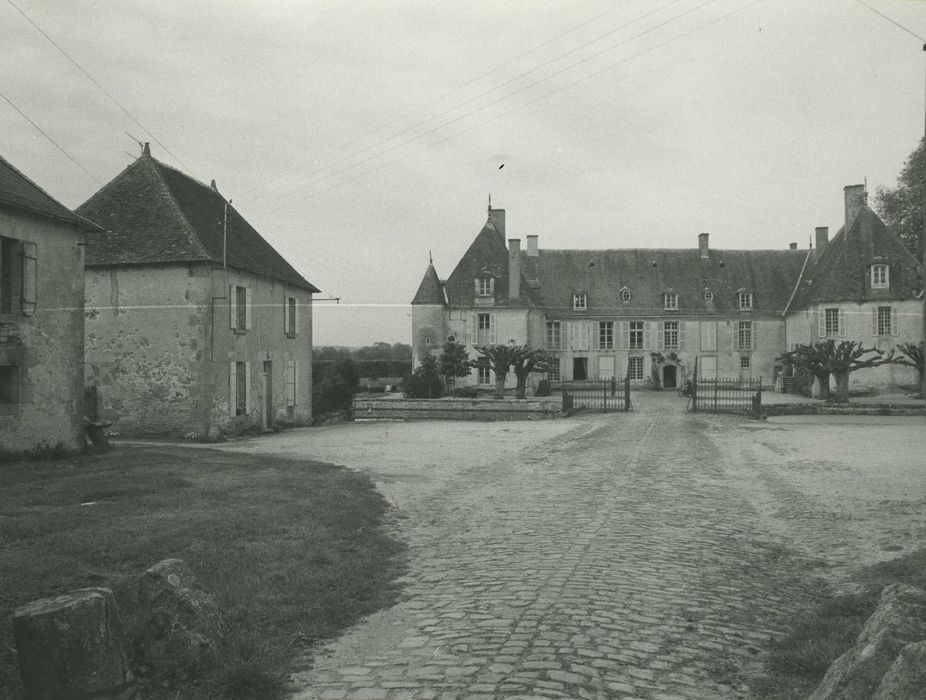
371,361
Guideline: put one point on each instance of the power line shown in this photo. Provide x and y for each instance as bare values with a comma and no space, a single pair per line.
94,81
53,142
546,95
894,22
511,94
397,134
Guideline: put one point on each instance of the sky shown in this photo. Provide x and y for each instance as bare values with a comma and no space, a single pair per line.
360,137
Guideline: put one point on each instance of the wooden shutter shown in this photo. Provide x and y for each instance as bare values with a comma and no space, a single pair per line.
682,336
894,329
596,338
753,337
232,388
476,287
874,321
247,308
296,379
660,336
247,388
232,307
821,323
842,323
648,335
295,330
492,328
29,281
290,382
286,329
625,335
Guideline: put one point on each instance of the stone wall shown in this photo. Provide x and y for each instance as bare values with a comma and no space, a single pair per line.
45,348
457,409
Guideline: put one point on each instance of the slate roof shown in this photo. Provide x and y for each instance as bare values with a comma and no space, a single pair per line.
431,289
153,213
841,272
19,191
550,278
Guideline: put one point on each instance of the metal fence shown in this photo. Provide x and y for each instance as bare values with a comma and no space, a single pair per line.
727,395
596,395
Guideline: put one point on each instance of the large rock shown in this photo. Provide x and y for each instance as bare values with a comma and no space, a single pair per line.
899,619
177,627
906,678
72,646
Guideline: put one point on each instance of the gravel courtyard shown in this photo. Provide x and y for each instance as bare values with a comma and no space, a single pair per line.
643,555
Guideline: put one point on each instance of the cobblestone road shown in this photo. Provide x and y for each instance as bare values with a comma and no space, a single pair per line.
609,559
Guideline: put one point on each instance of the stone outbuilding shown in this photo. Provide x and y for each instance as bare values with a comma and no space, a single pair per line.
41,318
195,324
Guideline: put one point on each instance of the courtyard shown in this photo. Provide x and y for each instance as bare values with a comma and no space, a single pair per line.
654,554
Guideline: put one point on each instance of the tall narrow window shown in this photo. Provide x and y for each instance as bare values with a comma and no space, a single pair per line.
11,277
606,335
580,301
484,330
291,322
241,388
554,335
484,374
832,321
745,301
635,368
744,335
880,277
636,335
671,301
885,320
670,335
554,373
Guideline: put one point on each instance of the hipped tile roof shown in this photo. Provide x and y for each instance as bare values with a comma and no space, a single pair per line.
153,213
19,191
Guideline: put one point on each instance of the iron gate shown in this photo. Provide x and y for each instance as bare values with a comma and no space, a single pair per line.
729,395
596,395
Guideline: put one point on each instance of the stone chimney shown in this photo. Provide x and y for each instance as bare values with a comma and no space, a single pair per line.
213,186
792,246
497,217
533,249
514,268
856,198
822,237
703,246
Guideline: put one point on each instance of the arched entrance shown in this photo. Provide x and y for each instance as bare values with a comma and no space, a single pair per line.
669,376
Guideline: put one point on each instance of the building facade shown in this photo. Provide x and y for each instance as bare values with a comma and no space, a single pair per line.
41,318
651,314
195,325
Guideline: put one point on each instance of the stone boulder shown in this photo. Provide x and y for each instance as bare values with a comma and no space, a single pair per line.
899,620
72,646
906,678
177,629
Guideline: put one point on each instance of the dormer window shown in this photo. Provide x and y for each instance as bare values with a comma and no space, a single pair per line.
744,300
485,286
880,277
580,301
624,295
708,294
671,301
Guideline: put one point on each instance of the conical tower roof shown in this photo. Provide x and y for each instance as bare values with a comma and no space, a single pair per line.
431,290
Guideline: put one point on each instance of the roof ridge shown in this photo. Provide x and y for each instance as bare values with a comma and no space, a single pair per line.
188,227
45,193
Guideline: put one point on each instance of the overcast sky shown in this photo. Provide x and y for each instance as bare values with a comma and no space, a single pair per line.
357,136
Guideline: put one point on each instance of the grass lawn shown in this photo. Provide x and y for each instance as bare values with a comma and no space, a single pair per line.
293,551
829,626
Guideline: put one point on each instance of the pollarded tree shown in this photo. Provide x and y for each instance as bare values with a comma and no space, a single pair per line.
523,359
807,358
913,355
454,362
499,359
528,360
839,359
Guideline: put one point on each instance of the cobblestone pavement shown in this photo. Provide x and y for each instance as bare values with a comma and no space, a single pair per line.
603,557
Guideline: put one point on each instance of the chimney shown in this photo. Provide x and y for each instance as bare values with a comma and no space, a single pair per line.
497,217
146,149
213,186
702,245
514,268
822,237
792,246
856,198
532,246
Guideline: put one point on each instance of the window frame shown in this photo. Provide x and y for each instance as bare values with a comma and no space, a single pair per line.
553,335
634,363
580,301
625,295
882,271
483,374
708,294
744,300
881,321
485,286
831,322
670,301
606,335
667,333
639,332
744,331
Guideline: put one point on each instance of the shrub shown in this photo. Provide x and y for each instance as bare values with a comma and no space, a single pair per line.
543,388
424,382
466,392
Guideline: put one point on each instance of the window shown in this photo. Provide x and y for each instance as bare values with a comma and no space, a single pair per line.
484,374
9,384
291,319
17,276
744,299
239,307
744,335
886,320
485,330
671,301
580,369
880,277
670,335
636,335
580,301
485,286
625,295
292,379
745,361
554,335
635,368
239,388
708,295
831,321
554,373
606,335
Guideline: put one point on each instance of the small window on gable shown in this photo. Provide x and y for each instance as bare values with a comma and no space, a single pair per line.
671,301
744,300
880,277
580,301
624,295
485,286
708,294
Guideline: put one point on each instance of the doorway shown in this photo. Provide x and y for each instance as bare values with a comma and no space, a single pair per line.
670,377
579,368
268,395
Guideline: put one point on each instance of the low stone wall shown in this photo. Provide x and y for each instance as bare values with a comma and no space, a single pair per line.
850,409
457,409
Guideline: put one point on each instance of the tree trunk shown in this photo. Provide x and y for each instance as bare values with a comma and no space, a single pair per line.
842,385
521,386
823,385
500,385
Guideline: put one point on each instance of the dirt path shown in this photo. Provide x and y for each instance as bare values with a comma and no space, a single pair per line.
646,555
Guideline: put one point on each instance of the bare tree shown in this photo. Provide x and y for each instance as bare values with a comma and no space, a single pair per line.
523,359
839,359
913,355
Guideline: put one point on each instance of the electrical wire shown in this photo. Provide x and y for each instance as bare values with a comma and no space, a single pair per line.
95,82
895,23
